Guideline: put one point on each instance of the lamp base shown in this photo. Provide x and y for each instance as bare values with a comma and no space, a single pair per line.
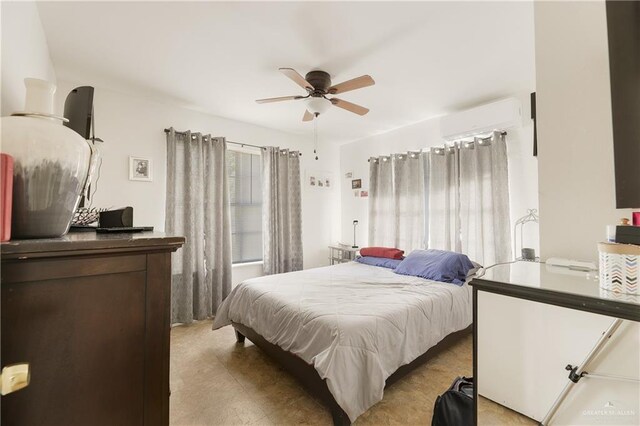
528,254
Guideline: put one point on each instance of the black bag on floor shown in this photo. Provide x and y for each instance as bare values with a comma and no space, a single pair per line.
455,406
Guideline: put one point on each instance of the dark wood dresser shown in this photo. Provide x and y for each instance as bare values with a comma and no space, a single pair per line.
90,313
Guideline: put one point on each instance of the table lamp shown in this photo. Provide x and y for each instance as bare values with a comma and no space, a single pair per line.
355,223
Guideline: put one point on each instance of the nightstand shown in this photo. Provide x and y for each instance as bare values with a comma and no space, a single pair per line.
342,254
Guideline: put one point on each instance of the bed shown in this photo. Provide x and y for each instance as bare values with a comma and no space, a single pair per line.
347,331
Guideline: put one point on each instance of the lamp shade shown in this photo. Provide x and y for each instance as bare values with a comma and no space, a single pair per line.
317,105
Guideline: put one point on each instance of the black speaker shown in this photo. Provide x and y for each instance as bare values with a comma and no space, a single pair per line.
121,218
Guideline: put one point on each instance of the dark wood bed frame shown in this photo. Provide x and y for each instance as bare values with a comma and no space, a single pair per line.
307,375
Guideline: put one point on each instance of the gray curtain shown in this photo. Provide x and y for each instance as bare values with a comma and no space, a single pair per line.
397,201
484,200
451,198
197,207
381,211
281,211
443,200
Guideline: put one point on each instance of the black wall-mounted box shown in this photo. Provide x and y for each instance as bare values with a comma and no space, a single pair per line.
628,234
623,30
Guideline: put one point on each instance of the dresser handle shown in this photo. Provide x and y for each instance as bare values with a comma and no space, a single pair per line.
14,377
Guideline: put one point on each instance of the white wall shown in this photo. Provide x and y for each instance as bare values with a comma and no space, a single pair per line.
576,184
132,125
575,136
523,174
24,53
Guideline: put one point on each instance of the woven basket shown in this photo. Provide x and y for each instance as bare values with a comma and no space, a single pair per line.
620,268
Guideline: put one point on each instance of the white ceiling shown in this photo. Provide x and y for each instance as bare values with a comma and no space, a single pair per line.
427,58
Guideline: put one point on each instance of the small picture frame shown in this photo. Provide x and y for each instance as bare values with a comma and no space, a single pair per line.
140,169
319,179
364,193
356,184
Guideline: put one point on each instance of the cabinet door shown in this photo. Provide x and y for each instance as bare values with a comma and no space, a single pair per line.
84,339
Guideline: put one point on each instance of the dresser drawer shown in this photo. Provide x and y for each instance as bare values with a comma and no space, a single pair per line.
84,340
16,271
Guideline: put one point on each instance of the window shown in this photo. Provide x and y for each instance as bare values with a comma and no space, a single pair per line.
245,193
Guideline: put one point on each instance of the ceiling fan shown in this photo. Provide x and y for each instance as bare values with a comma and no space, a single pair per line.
318,86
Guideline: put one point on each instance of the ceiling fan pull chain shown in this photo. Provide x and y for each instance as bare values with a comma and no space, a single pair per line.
315,136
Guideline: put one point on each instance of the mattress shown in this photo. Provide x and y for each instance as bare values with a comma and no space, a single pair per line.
356,324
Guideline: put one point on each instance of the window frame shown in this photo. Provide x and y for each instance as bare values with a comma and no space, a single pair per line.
242,149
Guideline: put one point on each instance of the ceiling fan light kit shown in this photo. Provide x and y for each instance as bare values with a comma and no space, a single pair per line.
317,83
317,105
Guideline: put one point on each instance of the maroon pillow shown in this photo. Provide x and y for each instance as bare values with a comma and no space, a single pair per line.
388,252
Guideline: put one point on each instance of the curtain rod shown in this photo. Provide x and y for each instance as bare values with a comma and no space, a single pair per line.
502,133
228,141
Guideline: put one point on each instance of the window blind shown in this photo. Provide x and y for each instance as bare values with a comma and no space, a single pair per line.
245,193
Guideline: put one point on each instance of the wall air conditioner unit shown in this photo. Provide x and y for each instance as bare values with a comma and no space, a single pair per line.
499,115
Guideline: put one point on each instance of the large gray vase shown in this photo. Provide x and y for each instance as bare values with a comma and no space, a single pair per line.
51,166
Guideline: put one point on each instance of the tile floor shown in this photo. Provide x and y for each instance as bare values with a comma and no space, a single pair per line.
215,381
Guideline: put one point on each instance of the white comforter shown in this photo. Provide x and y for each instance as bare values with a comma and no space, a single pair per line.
356,324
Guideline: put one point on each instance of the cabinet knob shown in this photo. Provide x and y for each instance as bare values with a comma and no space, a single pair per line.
14,377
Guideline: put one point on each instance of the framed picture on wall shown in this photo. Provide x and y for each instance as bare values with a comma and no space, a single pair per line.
140,169
356,184
319,179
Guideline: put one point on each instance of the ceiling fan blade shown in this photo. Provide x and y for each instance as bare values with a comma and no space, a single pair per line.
307,116
357,109
282,98
297,78
353,84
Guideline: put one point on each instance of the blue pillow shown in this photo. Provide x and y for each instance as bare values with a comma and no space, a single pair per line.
436,265
383,262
